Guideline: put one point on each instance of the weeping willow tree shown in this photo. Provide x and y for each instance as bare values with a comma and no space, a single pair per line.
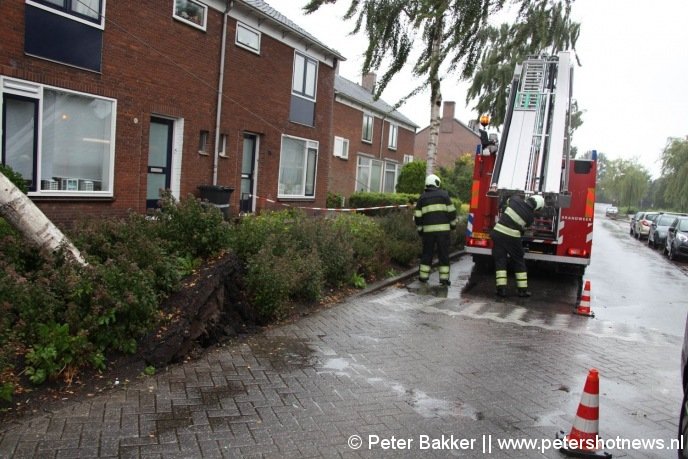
545,28
675,173
450,35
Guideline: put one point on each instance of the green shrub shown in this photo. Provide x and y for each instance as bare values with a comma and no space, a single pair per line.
412,178
191,227
250,234
403,242
364,199
334,200
368,242
14,177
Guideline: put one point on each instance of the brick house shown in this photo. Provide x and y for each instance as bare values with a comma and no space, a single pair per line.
103,107
456,138
372,141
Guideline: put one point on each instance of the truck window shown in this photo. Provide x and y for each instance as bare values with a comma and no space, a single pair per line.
582,167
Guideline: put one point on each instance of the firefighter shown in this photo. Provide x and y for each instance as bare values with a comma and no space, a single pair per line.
506,236
435,217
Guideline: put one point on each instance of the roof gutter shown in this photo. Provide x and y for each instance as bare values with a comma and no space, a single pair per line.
220,85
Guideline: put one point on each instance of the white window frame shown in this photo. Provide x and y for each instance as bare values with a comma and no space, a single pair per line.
393,136
188,21
100,23
242,26
223,145
308,144
298,88
368,166
36,91
408,159
203,140
341,147
366,117
386,169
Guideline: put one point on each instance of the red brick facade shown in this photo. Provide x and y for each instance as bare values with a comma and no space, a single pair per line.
455,140
348,124
155,65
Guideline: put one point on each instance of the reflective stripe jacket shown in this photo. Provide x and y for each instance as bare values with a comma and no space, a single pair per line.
516,217
435,211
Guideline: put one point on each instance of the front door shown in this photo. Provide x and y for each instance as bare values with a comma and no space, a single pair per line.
159,159
19,134
248,164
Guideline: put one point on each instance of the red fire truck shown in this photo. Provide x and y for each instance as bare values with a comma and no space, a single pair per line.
533,157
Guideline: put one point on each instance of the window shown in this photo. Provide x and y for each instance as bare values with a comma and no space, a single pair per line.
203,142
341,147
391,177
76,131
248,38
298,165
305,76
368,121
408,159
393,131
88,10
223,145
368,174
191,12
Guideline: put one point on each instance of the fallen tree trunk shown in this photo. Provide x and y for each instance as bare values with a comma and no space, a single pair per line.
24,216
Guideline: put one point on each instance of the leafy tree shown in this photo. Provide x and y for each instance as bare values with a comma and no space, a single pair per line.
449,34
624,182
675,173
457,180
545,28
412,178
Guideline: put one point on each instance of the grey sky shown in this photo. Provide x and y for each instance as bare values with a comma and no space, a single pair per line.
632,83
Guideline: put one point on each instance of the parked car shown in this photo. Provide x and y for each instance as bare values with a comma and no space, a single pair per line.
677,239
611,211
658,230
683,417
641,222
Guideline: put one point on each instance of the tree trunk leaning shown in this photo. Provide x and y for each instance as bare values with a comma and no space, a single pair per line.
24,216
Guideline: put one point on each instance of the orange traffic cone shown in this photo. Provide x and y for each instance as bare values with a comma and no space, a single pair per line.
583,308
583,439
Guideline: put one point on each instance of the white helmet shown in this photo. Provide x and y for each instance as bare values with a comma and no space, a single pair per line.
432,180
538,201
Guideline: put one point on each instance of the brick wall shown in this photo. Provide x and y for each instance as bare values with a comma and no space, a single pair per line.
156,65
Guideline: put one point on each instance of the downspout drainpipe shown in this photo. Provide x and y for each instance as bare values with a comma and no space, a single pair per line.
220,85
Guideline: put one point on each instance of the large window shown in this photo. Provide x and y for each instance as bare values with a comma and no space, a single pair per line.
298,165
368,121
191,12
305,76
89,10
369,174
76,131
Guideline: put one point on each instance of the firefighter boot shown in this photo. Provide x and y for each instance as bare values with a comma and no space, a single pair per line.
501,291
523,293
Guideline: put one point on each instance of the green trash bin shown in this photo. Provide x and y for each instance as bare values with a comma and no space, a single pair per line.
218,196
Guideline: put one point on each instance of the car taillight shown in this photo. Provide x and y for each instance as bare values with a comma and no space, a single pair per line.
644,223
574,252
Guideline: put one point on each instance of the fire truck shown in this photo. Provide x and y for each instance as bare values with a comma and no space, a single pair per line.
533,157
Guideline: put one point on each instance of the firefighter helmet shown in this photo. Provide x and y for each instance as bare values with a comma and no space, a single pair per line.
432,180
538,201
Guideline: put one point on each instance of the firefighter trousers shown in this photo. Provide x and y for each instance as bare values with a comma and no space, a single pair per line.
505,247
439,240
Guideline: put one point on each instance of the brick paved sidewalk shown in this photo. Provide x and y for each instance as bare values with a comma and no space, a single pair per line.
389,364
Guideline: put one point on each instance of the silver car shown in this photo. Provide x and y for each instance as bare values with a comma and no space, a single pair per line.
658,231
641,223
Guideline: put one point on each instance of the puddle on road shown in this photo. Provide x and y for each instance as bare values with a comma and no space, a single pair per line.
283,352
429,407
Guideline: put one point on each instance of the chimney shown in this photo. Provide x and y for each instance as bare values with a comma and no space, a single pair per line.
368,81
448,110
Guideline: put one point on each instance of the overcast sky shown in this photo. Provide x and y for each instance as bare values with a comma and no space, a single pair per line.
632,83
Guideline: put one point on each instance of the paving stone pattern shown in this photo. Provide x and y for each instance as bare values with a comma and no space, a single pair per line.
394,363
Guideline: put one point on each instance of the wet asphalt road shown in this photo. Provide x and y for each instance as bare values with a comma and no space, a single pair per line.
423,365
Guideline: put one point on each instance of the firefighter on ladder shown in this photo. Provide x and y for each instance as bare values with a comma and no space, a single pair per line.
506,237
435,217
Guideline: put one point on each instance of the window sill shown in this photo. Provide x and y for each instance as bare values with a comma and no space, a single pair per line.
296,198
204,153
70,198
220,155
369,142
